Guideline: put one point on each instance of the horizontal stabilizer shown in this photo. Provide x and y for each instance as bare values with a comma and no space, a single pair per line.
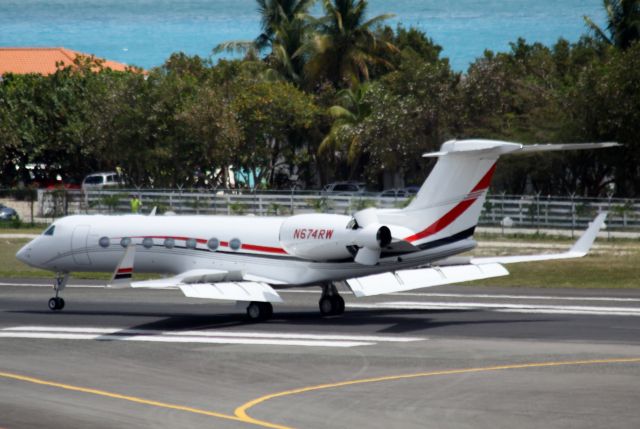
232,291
565,146
405,280
578,250
477,146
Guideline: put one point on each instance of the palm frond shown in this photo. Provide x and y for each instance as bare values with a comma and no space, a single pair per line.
236,47
597,30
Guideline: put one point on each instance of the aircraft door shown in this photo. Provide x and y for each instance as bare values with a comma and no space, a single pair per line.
79,245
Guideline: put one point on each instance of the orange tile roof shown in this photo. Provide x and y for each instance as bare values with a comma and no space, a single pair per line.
42,60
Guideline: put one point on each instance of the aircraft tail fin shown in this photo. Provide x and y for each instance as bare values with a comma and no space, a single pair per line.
448,205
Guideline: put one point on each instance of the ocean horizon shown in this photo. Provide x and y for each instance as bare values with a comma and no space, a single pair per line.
146,32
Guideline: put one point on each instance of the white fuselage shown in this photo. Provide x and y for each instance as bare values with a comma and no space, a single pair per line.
175,244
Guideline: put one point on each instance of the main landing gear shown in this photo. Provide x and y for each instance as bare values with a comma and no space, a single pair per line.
257,311
331,303
57,303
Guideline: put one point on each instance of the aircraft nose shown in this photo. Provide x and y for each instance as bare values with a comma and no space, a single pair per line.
24,254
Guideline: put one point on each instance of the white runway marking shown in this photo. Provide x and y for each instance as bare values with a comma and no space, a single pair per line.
50,286
506,308
207,337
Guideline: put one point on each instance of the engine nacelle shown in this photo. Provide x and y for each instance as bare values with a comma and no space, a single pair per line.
324,237
318,237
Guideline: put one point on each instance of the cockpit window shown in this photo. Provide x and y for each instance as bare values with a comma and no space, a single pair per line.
49,230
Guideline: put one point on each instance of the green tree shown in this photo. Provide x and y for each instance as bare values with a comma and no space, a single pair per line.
344,137
285,29
270,114
212,135
345,44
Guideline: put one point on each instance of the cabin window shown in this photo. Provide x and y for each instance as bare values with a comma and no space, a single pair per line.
104,242
147,242
213,243
235,244
169,243
191,243
50,230
125,242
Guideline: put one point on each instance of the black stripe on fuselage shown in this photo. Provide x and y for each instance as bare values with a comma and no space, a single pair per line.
448,240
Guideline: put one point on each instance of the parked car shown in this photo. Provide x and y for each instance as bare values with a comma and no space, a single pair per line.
408,191
344,188
7,213
393,193
411,190
102,180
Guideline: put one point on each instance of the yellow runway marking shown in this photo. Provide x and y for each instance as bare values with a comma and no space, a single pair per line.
240,414
126,398
241,411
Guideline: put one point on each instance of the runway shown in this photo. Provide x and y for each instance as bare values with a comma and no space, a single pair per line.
453,356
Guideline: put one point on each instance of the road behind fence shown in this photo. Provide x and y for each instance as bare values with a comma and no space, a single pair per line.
499,210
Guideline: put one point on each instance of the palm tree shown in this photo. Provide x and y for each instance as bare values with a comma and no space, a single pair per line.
346,44
284,29
274,14
347,116
623,23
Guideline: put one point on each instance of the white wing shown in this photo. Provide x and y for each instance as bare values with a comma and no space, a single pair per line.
214,284
404,280
578,250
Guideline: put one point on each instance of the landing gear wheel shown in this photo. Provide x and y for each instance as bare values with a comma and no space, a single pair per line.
56,303
327,306
331,303
259,310
338,303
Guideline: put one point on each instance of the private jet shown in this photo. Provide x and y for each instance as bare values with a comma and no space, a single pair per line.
247,259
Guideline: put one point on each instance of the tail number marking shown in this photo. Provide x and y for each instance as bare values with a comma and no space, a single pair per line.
312,234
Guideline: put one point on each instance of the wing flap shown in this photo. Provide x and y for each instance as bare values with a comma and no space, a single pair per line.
231,291
405,280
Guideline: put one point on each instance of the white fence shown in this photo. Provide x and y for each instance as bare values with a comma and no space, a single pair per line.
524,211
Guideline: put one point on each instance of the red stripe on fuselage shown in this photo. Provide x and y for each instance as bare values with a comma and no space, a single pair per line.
455,212
265,249
254,247
124,270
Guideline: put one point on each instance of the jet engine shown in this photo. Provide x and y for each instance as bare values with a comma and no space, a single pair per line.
326,237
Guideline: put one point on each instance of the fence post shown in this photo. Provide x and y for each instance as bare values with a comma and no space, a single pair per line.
573,214
292,213
538,213
609,196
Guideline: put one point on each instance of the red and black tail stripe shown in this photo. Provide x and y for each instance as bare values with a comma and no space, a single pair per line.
123,273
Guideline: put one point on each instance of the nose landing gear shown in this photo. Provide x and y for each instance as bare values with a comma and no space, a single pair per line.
57,303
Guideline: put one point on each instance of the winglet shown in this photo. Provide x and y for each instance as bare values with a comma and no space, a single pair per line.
584,243
124,270
578,250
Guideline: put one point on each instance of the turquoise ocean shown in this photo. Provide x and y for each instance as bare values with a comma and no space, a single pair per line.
146,32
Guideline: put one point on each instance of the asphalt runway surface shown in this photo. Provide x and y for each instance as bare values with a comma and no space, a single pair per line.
454,357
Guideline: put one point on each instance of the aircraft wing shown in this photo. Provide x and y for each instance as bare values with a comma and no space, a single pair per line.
578,250
213,284
405,280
